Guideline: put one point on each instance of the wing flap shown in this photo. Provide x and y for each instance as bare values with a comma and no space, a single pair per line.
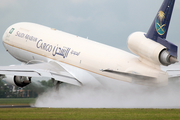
84,77
136,78
128,74
66,79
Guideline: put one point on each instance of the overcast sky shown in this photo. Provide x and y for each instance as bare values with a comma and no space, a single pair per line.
106,21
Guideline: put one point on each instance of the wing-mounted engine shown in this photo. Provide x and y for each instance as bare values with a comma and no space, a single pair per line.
149,50
19,81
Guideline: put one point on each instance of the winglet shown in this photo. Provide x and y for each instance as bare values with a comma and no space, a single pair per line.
159,28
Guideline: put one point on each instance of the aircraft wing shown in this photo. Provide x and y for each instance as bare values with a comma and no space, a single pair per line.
51,70
128,74
135,78
172,70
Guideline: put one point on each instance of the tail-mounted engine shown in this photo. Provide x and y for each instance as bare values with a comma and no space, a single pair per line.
19,81
149,49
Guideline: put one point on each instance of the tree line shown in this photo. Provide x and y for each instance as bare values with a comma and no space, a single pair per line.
30,91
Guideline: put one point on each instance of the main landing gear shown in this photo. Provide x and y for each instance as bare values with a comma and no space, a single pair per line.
56,84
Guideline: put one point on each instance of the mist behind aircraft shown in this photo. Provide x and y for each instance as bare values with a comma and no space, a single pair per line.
116,95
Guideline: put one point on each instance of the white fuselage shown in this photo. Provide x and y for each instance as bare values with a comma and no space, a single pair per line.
30,42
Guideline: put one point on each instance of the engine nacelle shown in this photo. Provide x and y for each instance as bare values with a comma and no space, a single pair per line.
19,81
149,49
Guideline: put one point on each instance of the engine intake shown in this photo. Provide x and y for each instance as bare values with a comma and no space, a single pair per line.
22,81
19,81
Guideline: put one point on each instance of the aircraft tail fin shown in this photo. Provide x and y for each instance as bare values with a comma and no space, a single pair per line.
159,28
160,25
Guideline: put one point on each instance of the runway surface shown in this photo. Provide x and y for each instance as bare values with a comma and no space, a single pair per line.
28,106
15,106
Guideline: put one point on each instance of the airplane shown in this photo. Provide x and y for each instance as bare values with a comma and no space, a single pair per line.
67,58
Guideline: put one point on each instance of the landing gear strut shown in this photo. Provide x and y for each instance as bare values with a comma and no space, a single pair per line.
56,83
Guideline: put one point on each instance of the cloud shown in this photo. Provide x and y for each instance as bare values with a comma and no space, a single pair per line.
7,3
76,19
78,1
88,1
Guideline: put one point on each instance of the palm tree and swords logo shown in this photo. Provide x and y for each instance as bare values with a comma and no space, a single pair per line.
160,27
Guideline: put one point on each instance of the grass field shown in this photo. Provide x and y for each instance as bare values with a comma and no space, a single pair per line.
89,114
81,114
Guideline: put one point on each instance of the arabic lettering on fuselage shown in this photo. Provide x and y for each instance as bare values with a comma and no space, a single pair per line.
61,51
64,51
75,53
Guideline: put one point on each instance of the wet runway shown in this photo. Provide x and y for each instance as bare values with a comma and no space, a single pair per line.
15,106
